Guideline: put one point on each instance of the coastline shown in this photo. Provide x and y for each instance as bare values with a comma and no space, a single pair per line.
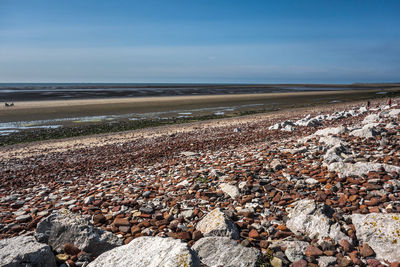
45,110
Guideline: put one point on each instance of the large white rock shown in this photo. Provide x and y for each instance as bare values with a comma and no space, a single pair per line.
148,251
66,227
223,251
372,118
25,251
331,131
334,154
230,190
381,232
216,223
360,168
312,220
394,113
367,131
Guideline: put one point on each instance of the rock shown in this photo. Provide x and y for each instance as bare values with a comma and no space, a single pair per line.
148,251
230,190
367,131
65,227
381,232
299,263
88,200
372,118
314,221
23,218
189,154
313,251
216,223
223,251
276,262
325,261
25,251
71,249
331,131
366,251
360,168
276,165
295,250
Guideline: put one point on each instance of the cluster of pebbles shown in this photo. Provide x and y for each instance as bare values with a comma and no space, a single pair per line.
256,173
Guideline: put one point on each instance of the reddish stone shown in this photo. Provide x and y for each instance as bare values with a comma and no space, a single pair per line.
373,262
99,218
196,235
264,244
300,263
395,264
354,258
345,245
254,234
71,263
282,227
183,236
313,251
71,249
282,234
121,222
366,251
128,240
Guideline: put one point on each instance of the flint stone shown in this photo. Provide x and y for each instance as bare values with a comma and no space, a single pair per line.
216,223
25,251
189,153
325,261
295,250
372,118
314,221
331,131
367,131
276,165
381,231
394,113
148,251
230,190
223,251
65,227
332,141
360,168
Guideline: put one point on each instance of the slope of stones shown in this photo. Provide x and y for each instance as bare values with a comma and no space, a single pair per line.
254,175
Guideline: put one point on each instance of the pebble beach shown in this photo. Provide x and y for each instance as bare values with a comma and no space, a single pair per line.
302,187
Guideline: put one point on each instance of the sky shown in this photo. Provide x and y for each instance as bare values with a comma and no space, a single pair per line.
200,41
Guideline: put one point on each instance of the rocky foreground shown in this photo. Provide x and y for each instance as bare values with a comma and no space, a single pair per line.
306,190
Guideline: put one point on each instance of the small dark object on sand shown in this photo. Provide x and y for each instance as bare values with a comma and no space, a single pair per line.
9,105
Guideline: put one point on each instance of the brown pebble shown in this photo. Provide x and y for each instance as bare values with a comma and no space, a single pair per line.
196,235
71,249
366,251
300,263
313,251
345,245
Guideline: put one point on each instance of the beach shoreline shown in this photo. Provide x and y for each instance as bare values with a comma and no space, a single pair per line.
48,109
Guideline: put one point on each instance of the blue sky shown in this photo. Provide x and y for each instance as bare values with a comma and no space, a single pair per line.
200,41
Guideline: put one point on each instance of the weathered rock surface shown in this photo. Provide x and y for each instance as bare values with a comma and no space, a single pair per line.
223,251
314,221
148,251
216,223
295,250
230,190
360,168
25,251
381,232
65,227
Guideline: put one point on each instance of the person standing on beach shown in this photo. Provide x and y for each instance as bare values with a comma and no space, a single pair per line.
368,104
390,102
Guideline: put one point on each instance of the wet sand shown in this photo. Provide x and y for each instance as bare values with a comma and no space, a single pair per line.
45,110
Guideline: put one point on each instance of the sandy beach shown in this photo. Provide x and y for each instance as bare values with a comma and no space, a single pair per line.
45,110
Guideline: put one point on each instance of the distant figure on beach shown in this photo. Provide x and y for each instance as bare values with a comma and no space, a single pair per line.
368,104
9,105
390,102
